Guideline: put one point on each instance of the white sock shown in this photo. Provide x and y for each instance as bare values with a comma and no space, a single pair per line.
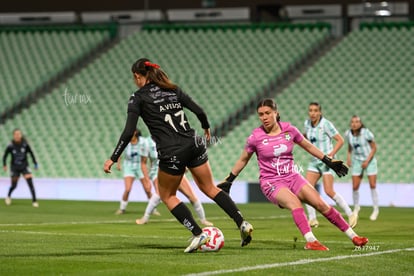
355,196
311,212
374,194
342,203
310,237
152,204
350,233
198,207
123,205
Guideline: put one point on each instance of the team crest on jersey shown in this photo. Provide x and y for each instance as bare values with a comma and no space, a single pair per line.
287,136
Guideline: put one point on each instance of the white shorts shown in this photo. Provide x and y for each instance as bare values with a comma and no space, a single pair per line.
357,169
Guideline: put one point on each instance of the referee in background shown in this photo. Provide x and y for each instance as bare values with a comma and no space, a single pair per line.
19,149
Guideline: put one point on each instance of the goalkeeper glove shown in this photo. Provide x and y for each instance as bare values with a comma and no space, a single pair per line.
337,165
226,184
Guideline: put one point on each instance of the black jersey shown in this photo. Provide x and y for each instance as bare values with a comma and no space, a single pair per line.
163,113
19,153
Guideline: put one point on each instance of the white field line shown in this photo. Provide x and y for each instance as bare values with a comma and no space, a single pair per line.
298,262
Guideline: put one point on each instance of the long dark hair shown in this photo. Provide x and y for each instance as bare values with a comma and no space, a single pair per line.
153,73
269,103
358,131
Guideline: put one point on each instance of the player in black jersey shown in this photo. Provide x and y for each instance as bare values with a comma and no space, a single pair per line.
161,104
19,148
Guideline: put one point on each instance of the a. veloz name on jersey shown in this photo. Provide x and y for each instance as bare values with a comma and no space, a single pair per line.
170,106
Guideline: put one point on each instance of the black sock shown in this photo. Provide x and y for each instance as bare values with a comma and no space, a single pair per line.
227,204
12,187
31,187
184,216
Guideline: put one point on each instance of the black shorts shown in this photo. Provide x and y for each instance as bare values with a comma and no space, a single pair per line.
16,172
175,160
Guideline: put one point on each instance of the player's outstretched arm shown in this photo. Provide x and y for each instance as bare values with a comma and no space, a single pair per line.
244,158
337,165
129,129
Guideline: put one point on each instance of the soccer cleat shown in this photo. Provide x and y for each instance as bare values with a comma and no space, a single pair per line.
374,214
206,223
196,242
246,230
155,212
353,219
120,212
359,241
142,220
8,201
314,223
35,204
316,245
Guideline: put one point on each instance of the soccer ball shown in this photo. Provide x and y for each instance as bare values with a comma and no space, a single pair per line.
216,240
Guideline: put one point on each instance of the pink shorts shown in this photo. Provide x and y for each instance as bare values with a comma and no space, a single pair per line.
270,187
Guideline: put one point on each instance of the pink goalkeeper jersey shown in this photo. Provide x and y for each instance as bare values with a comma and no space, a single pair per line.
274,153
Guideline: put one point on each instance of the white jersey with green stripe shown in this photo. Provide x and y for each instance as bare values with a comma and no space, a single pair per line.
360,147
133,153
321,135
150,149
151,153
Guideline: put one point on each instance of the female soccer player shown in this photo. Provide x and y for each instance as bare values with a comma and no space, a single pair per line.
320,132
361,151
19,148
160,103
279,179
185,187
132,168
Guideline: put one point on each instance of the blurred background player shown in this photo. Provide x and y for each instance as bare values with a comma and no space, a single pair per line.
19,149
132,168
320,132
360,157
185,187
280,181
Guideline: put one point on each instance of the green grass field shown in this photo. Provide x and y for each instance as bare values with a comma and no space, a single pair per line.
86,238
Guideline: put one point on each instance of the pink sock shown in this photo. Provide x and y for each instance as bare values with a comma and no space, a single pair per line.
335,218
301,221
